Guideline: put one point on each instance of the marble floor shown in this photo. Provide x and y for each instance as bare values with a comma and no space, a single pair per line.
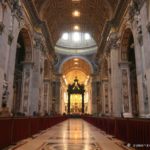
72,134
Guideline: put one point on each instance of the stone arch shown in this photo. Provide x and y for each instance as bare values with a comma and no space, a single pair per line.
79,57
124,44
23,63
129,70
24,34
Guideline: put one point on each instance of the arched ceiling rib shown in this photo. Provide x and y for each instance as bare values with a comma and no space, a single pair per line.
58,15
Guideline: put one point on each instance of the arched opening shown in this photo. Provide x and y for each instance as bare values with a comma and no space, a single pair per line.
128,55
76,87
23,56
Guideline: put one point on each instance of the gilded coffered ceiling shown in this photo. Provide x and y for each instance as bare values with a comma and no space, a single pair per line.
76,68
58,15
76,64
81,76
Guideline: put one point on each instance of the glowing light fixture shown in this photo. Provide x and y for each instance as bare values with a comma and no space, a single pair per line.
76,59
65,36
76,0
76,27
76,13
76,63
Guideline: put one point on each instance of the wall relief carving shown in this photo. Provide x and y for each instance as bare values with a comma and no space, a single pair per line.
26,91
5,93
125,90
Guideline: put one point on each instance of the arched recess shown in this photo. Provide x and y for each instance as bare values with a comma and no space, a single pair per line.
22,73
129,77
80,70
76,57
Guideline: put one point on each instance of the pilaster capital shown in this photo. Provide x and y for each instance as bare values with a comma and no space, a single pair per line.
39,42
114,40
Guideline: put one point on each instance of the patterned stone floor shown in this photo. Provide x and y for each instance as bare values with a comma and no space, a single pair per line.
73,134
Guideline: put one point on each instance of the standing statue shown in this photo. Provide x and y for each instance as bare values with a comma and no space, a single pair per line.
4,112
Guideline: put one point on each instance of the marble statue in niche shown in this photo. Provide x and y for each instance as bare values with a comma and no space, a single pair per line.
125,93
4,111
5,93
26,91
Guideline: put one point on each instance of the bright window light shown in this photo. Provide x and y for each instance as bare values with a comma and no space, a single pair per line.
65,36
87,36
76,37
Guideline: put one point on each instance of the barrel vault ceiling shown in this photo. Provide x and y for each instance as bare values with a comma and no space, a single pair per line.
58,15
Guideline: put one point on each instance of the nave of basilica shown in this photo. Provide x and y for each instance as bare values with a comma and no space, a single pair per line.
75,74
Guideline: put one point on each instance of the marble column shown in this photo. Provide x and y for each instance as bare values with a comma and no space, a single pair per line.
36,75
138,27
145,25
115,76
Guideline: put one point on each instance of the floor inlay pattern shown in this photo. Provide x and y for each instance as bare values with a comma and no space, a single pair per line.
72,134
72,146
